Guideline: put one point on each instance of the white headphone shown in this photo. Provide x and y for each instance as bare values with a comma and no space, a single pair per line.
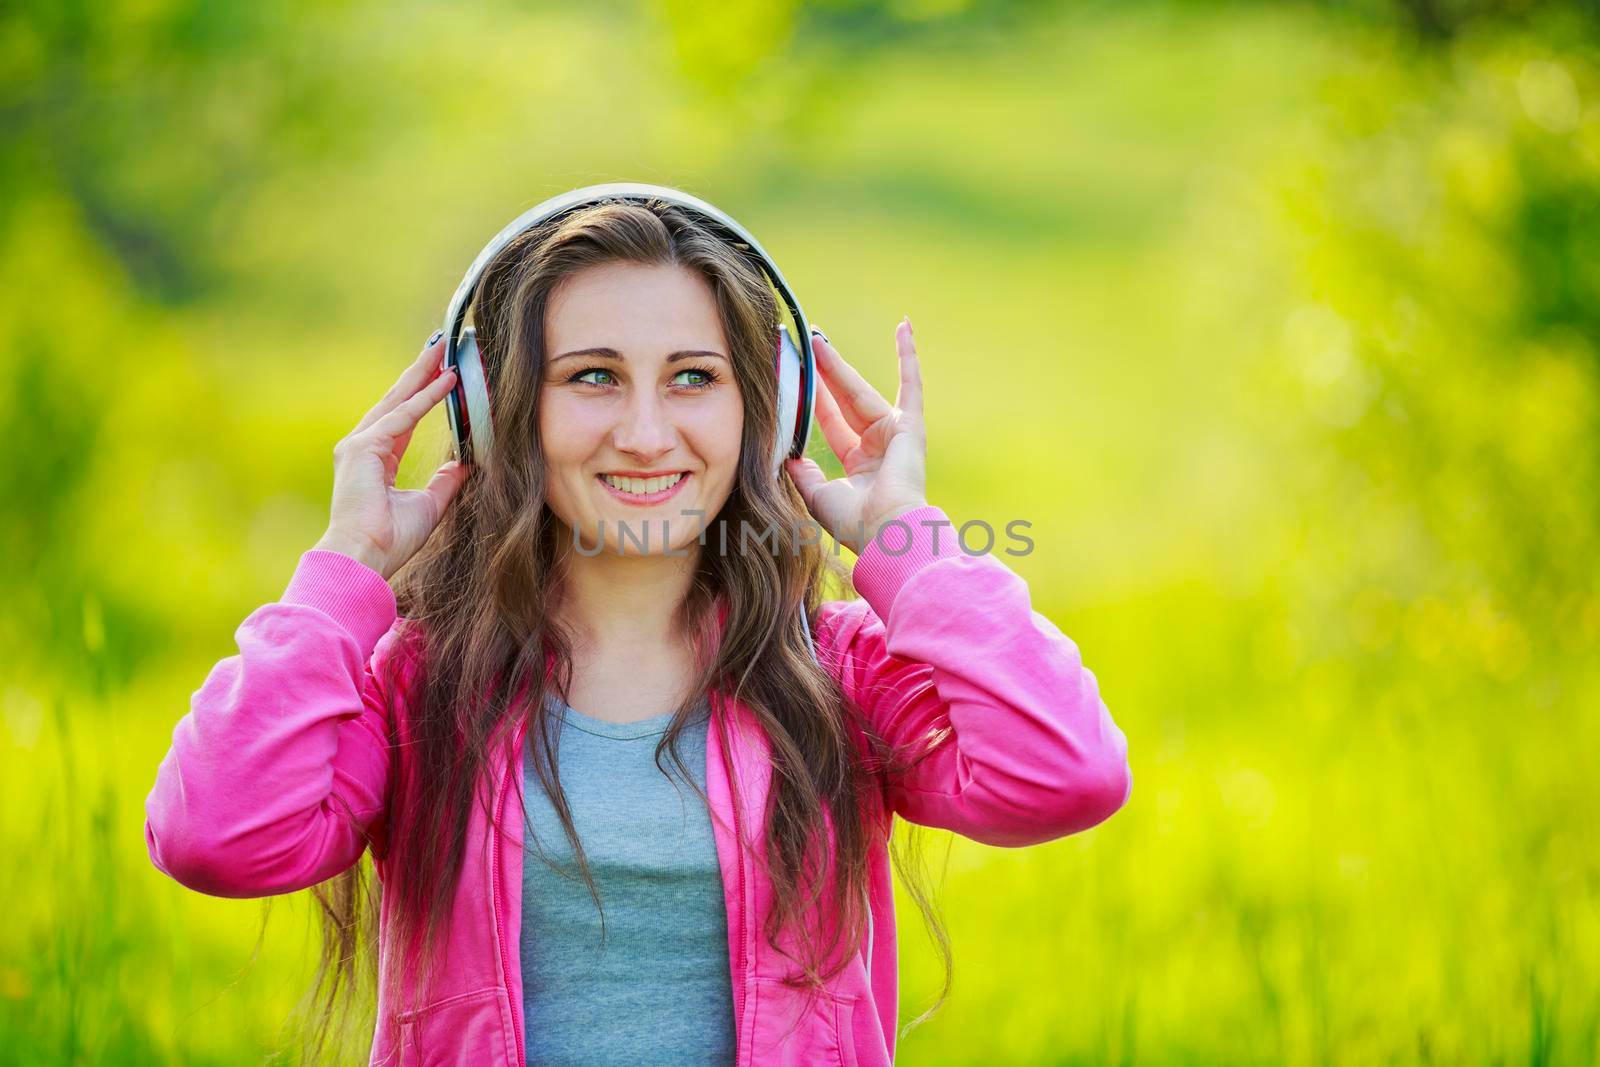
468,407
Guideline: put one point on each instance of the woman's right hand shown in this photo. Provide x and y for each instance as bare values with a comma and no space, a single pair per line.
370,520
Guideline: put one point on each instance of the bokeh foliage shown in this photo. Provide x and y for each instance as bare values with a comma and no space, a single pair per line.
1278,322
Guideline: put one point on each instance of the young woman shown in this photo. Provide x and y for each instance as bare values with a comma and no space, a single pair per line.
547,658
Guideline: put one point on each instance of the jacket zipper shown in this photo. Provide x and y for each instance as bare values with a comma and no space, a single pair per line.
499,927
494,898
738,833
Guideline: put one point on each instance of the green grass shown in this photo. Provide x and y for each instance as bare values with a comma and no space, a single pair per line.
1237,309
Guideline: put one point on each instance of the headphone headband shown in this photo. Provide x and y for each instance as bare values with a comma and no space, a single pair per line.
721,223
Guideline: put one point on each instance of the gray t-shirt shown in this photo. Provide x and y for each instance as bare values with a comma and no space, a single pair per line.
659,989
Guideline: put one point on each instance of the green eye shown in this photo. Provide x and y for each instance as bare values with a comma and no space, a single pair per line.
707,377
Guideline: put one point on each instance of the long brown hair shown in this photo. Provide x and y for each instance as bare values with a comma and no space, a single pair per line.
478,600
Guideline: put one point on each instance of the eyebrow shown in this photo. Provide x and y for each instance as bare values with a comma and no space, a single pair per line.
612,353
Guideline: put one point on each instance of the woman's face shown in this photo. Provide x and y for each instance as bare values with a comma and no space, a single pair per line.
640,416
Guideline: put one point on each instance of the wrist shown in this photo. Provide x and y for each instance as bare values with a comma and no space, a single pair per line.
874,526
910,541
358,550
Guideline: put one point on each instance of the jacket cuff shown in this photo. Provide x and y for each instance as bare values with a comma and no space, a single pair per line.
346,590
903,547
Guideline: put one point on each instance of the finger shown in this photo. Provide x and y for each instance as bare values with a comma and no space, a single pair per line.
394,453
807,477
840,437
411,379
396,446
909,398
444,484
404,418
861,403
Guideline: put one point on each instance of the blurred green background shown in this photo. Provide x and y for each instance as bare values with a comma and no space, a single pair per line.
1278,321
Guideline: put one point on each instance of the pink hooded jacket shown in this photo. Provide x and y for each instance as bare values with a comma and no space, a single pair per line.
287,736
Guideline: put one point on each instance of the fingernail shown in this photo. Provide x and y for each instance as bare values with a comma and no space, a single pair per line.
818,331
434,339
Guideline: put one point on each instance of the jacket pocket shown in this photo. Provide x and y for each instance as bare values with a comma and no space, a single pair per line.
787,1032
468,1028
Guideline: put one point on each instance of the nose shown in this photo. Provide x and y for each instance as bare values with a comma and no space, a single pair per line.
645,431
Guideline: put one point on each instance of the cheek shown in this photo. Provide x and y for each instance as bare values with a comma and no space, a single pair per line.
569,434
725,433
732,420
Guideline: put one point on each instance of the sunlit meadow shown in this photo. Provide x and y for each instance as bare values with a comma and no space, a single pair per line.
1278,323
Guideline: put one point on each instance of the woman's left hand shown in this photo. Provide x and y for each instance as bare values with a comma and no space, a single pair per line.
884,449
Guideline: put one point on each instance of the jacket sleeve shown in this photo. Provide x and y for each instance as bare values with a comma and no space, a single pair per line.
1010,742
279,772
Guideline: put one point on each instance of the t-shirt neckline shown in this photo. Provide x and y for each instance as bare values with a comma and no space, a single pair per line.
654,726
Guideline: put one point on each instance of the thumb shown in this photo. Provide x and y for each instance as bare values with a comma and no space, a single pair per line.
807,477
442,487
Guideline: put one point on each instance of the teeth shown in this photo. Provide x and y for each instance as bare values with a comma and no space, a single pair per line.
642,485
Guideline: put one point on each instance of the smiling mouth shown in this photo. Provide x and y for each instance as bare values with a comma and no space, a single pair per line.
643,492
643,486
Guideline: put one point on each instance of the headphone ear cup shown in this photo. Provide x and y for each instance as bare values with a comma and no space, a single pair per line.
791,376
475,389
